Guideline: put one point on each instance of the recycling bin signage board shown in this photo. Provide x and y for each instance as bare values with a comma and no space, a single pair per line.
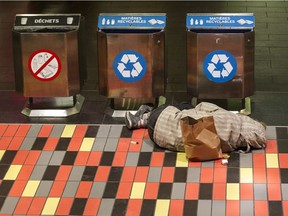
134,21
220,21
23,21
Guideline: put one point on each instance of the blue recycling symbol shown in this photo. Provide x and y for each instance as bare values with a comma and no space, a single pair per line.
129,66
220,66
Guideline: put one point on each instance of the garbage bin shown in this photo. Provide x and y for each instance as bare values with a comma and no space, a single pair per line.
47,61
131,57
220,55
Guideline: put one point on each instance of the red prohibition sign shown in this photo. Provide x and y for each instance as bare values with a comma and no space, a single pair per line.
44,65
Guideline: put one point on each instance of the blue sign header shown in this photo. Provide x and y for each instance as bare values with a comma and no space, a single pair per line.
131,21
220,21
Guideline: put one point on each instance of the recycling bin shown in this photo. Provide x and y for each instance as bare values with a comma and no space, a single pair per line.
220,55
131,55
47,58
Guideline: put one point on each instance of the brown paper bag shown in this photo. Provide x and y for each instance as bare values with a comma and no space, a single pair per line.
200,139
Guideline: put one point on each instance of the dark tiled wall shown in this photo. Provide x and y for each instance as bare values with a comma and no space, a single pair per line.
271,49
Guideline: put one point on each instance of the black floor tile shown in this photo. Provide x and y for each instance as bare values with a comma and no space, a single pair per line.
5,187
89,173
50,173
144,159
69,158
8,157
107,158
206,191
275,208
180,174
282,145
190,208
111,190
92,131
39,143
115,174
170,159
233,175
120,207
148,207
63,144
78,206
3,169
165,190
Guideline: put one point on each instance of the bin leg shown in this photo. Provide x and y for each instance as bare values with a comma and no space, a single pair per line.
194,101
247,105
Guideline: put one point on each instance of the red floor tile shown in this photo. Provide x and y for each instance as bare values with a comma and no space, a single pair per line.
246,192
57,188
151,190
259,160
3,128
124,190
261,208
141,174
138,134
206,175
63,173
135,147
119,158
271,146
23,205
92,206
82,158
285,207
15,143
283,160
273,175
36,206
11,130
25,172
176,207
274,191
32,157
94,158
80,130
20,157
75,144
17,188
157,159
123,144
128,174
4,142
192,191
84,189
220,175
232,208
102,173
51,144
219,191
259,175
45,130
167,174
22,130
134,207
64,206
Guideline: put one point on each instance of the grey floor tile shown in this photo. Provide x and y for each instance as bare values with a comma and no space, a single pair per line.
178,191
154,174
260,192
27,143
97,190
9,205
115,131
76,173
103,131
132,159
271,132
193,174
147,145
99,144
204,207
284,189
57,130
246,208
57,158
44,188
34,130
44,157
111,144
38,172
246,160
218,207
106,207
70,189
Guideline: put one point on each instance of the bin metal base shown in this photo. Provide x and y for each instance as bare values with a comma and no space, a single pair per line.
53,107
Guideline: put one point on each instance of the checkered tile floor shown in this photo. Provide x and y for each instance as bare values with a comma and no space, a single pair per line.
97,170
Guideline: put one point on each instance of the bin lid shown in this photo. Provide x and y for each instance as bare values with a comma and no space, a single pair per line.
220,21
132,21
48,21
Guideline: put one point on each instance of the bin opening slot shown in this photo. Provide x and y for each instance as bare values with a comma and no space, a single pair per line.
221,31
44,30
131,31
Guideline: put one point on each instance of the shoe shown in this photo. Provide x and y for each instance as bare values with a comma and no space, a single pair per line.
142,110
132,121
